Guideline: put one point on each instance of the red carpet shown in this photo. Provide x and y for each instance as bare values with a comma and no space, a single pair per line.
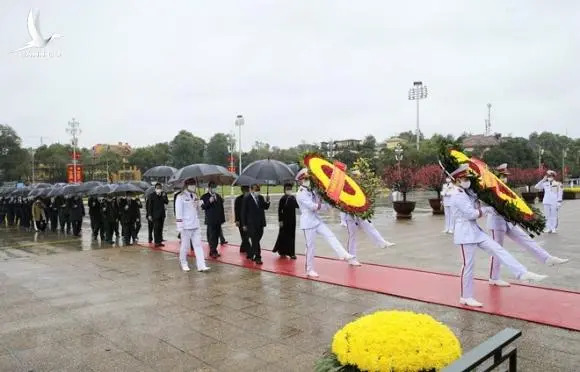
554,307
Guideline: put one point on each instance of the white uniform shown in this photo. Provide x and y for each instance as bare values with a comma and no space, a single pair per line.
446,191
553,193
469,236
311,225
353,225
499,228
187,218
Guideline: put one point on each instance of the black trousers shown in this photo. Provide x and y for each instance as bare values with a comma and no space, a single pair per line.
245,246
64,219
76,227
158,230
150,231
221,236
40,225
98,227
255,237
137,229
116,228
54,221
213,233
128,229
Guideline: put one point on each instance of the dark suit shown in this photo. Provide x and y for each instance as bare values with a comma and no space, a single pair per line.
254,220
245,246
214,218
156,214
77,212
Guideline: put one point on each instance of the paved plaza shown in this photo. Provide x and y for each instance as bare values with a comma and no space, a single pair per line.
69,304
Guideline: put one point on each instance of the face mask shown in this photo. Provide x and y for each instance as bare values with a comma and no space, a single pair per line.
288,192
503,179
447,180
191,188
550,179
306,183
212,190
465,184
101,199
256,192
158,191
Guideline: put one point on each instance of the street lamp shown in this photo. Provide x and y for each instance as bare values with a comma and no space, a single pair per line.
540,154
417,93
231,149
74,130
239,123
32,152
564,155
398,158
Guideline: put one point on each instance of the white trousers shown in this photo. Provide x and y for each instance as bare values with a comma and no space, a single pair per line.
522,239
551,212
492,248
191,237
310,237
449,223
353,228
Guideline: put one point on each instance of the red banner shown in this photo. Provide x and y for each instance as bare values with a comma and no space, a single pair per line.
70,173
232,169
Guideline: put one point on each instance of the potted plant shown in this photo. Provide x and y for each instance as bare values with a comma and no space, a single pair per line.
403,180
432,177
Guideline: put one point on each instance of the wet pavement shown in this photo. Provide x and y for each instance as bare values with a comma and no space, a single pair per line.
71,304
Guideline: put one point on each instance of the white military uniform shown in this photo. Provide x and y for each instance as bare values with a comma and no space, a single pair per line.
499,228
553,193
311,224
469,236
446,191
187,218
353,225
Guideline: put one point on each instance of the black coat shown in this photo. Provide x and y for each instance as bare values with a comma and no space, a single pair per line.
155,205
94,207
129,210
214,212
253,215
238,203
77,209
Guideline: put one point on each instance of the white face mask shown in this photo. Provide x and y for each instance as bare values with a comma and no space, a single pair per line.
158,191
447,180
191,188
212,190
288,192
465,184
550,179
306,183
503,179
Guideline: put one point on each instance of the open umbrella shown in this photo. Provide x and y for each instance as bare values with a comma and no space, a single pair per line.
102,190
54,192
203,173
140,184
41,185
68,190
151,190
88,186
294,167
125,188
160,171
269,172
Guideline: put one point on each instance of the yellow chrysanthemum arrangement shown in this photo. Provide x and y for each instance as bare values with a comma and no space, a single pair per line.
392,341
572,189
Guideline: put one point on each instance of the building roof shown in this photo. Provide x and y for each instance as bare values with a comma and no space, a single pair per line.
480,140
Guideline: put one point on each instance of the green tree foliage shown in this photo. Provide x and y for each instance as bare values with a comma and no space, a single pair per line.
186,149
150,156
14,160
217,150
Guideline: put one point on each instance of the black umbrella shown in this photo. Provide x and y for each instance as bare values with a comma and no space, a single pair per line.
102,190
125,188
140,184
55,191
294,167
151,190
69,190
160,171
41,185
88,186
244,180
203,173
269,172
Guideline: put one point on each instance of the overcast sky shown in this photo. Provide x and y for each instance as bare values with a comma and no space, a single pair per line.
139,71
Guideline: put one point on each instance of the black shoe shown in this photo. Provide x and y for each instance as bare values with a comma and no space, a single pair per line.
258,261
293,257
150,241
282,256
159,245
224,242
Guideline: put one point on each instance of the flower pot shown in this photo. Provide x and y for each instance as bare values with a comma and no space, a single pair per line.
571,195
529,197
404,209
436,206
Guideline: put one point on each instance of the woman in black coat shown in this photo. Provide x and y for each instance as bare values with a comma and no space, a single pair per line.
286,242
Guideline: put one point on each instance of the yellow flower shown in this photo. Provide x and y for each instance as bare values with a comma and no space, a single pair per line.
396,341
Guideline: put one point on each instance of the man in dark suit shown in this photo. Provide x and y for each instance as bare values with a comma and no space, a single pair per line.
254,220
156,203
213,205
245,246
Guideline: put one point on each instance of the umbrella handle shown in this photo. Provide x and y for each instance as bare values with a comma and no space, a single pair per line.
267,189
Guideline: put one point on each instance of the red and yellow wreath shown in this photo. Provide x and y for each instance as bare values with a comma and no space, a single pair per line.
336,187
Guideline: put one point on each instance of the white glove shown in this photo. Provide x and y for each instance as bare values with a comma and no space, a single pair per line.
343,223
559,205
179,227
488,210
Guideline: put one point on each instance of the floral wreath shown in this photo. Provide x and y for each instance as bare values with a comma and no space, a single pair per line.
350,197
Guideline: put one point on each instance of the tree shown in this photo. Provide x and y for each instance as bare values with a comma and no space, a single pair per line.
14,160
400,179
347,157
431,177
186,149
150,156
217,150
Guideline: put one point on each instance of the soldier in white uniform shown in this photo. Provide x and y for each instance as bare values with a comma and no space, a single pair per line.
553,192
187,219
353,224
469,236
446,191
310,222
499,228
